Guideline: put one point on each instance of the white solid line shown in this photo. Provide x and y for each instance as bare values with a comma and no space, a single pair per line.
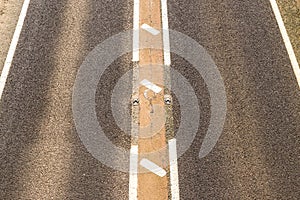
172,143
173,169
136,31
133,168
150,29
154,168
286,40
166,36
151,86
13,46
133,173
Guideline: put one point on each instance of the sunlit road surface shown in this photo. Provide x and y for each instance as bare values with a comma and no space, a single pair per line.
256,157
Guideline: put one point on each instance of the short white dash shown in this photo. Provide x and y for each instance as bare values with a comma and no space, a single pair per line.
150,29
13,46
133,173
151,86
154,168
286,40
173,170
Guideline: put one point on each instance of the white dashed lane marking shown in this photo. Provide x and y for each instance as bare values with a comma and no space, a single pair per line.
166,35
136,31
173,169
133,173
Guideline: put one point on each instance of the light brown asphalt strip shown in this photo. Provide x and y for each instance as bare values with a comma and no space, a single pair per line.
150,185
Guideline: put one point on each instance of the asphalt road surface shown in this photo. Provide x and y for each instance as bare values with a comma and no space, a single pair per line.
257,155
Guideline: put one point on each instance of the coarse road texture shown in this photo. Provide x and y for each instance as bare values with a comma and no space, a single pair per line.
256,157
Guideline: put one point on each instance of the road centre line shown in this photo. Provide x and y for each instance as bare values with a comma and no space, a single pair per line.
133,182
133,173
286,40
13,46
133,168
173,169
174,182
136,31
166,35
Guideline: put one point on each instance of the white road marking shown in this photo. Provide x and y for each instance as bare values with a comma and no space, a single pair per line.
150,29
136,31
133,173
286,40
13,46
173,169
172,143
133,168
166,36
151,86
154,168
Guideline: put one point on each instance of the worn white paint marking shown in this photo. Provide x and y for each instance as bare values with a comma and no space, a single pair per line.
286,40
133,168
150,29
166,35
172,143
13,46
154,168
133,173
173,169
136,31
151,86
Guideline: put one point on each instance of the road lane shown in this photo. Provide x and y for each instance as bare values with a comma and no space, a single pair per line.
257,156
41,154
